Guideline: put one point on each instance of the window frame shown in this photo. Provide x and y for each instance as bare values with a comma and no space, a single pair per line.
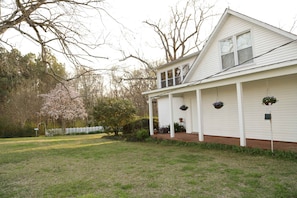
173,76
163,81
235,51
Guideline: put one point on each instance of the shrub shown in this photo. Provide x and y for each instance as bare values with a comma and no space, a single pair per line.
136,125
142,134
9,129
177,127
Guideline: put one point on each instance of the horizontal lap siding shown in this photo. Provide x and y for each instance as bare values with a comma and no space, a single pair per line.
211,62
191,119
224,121
263,40
284,112
164,110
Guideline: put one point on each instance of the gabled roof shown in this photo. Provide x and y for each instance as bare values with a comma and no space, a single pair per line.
195,54
228,12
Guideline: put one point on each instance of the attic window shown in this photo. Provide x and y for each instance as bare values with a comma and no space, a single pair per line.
163,79
185,70
170,78
236,50
177,74
227,53
173,76
244,48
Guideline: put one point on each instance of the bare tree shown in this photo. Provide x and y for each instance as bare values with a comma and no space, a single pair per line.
294,25
54,25
91,87
181,35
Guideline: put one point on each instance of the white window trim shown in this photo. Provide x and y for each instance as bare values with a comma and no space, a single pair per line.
173,76
235,50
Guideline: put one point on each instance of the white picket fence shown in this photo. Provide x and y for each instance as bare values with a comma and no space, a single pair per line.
71,131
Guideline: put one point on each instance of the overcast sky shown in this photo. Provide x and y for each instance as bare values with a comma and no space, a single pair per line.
132,36
132,13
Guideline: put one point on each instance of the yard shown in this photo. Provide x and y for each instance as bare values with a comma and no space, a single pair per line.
89,166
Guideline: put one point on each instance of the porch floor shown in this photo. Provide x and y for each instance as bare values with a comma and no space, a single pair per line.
253,143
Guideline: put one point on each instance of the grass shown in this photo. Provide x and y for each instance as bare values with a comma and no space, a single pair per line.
89,166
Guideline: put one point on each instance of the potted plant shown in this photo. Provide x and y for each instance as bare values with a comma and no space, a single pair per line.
218,104
269,100
183,108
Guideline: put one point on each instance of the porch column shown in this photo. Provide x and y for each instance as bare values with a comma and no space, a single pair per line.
240,113
151,119
199,114
171,116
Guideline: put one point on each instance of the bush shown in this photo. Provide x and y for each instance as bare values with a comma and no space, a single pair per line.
9,129
142,134
136,125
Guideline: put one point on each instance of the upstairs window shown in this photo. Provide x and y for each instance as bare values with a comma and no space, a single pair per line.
185,70
177,74
174,76
227,53
244,48
170,78
236,50
163,79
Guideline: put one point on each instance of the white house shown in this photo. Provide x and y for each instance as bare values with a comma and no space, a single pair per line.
243,61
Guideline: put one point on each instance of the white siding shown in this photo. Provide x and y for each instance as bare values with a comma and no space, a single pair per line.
284,112
191,119
224,121
263,40
163,110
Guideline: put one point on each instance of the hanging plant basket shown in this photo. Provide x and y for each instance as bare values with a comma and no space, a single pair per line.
183,108
269,100
218,105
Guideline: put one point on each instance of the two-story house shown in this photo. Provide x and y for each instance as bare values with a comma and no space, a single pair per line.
243,61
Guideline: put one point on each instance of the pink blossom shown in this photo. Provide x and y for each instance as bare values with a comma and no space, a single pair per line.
63,102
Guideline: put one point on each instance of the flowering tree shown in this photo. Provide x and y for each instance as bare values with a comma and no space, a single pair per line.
63,103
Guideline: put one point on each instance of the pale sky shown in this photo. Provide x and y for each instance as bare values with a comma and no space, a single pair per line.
133,36
132,13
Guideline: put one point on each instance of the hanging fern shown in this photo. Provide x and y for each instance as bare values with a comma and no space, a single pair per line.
269,100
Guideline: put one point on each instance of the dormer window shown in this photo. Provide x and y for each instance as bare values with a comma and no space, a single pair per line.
236,50
169,78
173,76
177,74
163,79
185,70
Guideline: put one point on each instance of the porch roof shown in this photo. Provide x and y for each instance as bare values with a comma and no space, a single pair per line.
231,76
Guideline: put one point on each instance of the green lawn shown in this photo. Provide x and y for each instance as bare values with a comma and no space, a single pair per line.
89,166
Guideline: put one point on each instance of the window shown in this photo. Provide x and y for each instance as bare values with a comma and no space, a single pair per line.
227,53
236,50
163,79
244,48
177,74
174,76
185,70
170,78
